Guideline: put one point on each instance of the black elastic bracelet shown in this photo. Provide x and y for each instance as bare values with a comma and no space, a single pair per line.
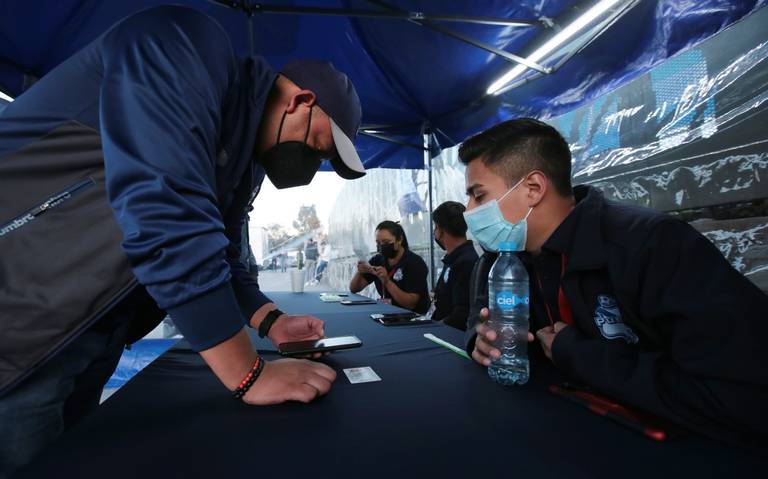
249,379
268,321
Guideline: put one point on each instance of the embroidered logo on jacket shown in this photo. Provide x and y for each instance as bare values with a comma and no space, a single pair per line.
447,272
398,275
608,320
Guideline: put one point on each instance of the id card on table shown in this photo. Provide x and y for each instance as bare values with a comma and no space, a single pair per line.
361,375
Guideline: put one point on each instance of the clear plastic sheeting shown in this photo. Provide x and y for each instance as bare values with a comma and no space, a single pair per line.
744,243
688,134
689,138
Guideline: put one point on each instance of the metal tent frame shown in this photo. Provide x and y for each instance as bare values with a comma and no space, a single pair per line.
430,145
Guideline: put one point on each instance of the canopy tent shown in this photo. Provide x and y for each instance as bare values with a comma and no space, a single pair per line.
422,67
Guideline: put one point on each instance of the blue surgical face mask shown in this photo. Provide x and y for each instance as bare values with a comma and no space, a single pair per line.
490,229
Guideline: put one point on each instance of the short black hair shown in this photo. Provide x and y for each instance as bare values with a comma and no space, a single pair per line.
396,230
516,147
450,217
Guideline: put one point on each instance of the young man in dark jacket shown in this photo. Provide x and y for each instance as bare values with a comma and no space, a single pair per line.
452,288
629,301
125,176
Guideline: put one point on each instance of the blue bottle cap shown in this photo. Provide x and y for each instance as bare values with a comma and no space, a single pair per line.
506,247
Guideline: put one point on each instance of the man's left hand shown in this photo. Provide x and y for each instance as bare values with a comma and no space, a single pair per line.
546,337
289,328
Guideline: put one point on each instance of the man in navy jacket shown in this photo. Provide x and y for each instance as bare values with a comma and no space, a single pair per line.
156,138
628,301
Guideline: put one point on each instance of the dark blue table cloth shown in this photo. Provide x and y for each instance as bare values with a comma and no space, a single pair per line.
433,414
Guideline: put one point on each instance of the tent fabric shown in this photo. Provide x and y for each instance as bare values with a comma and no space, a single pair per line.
407,76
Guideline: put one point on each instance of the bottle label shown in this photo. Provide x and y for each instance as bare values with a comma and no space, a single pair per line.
506,300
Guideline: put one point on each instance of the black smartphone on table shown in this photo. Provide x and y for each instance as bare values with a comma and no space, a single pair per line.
350,302
304,348
400,319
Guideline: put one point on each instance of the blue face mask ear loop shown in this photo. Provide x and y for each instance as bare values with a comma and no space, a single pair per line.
510,191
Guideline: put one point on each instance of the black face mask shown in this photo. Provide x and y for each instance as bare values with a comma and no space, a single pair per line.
439,243
387,250
291,163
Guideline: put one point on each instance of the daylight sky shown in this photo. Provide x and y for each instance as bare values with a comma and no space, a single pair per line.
282,206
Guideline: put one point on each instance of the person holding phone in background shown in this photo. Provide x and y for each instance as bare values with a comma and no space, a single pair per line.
399,274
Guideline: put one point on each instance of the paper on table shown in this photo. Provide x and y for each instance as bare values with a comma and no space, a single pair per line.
330,298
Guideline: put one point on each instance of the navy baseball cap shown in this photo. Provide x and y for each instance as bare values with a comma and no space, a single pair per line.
337,97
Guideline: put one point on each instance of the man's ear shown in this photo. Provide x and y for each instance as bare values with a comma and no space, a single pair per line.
299,98
537,185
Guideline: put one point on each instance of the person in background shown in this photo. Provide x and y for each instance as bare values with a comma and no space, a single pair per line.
299,258
400,275
630,302
452,288
325,257
311,256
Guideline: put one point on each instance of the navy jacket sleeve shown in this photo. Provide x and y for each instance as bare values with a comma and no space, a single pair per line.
709,374
165,73
478,297
245,282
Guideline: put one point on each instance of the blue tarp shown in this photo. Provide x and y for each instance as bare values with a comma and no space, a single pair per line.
407,75
136,358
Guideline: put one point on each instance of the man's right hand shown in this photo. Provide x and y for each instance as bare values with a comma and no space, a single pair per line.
484,351
290,380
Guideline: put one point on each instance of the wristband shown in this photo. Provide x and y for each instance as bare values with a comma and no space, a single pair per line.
268,321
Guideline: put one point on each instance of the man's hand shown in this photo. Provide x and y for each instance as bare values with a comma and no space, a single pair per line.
381,273
290,380
289,328
484,351
547,337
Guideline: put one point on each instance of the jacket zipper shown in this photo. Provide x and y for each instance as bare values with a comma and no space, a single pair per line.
52,202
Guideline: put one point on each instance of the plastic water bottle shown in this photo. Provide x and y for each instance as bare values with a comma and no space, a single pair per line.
508,302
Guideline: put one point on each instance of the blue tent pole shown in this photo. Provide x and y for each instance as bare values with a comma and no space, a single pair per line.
426,135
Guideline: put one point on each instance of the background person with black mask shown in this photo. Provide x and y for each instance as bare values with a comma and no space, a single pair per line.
452,288
400,275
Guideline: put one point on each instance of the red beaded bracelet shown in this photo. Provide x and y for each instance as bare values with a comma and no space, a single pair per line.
249,378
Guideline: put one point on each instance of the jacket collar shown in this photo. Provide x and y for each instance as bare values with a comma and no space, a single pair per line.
587,249
455,254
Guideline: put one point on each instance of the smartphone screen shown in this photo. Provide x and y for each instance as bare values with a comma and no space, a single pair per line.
319,345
